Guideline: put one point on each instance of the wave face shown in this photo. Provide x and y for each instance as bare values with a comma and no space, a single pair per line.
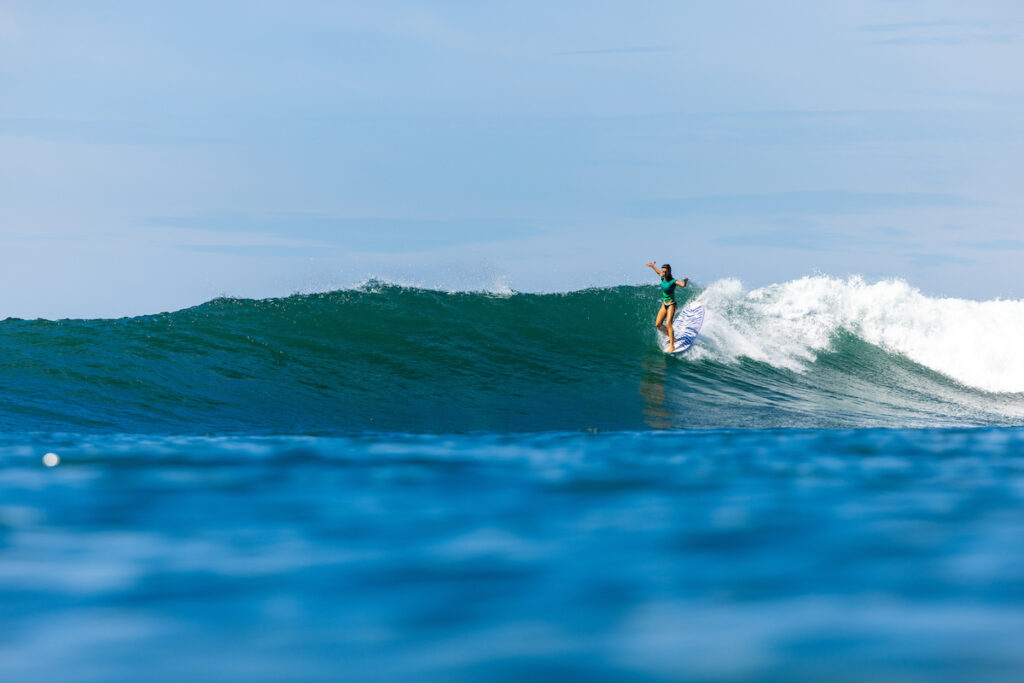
816,352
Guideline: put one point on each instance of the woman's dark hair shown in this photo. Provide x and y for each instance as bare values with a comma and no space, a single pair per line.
668,275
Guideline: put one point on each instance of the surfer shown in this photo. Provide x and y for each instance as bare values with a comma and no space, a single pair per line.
668,302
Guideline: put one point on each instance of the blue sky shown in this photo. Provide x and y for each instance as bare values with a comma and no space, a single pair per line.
155,155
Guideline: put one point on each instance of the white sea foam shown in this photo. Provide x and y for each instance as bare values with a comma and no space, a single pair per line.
976,343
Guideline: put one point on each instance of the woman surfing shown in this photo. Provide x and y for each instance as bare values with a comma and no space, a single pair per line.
668,302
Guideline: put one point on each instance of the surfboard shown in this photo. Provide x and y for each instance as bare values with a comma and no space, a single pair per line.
686,327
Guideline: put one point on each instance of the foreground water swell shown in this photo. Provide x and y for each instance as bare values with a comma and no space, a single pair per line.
710,555
816,352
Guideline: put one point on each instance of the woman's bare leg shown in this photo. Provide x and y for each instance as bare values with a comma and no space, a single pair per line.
659,322
671,337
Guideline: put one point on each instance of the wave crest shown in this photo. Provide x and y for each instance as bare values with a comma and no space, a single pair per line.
786,325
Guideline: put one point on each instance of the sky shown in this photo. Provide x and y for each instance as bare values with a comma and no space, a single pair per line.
156,155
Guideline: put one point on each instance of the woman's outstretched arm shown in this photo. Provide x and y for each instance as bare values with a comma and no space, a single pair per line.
654,268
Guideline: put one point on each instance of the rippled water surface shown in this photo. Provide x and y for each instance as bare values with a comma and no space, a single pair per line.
702,555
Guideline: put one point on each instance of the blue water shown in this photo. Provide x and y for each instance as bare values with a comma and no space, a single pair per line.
853,514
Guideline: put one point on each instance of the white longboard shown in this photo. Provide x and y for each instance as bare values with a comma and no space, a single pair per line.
686,327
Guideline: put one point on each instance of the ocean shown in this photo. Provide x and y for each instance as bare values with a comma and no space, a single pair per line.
390,483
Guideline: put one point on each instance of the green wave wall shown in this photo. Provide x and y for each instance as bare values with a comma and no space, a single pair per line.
388,358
